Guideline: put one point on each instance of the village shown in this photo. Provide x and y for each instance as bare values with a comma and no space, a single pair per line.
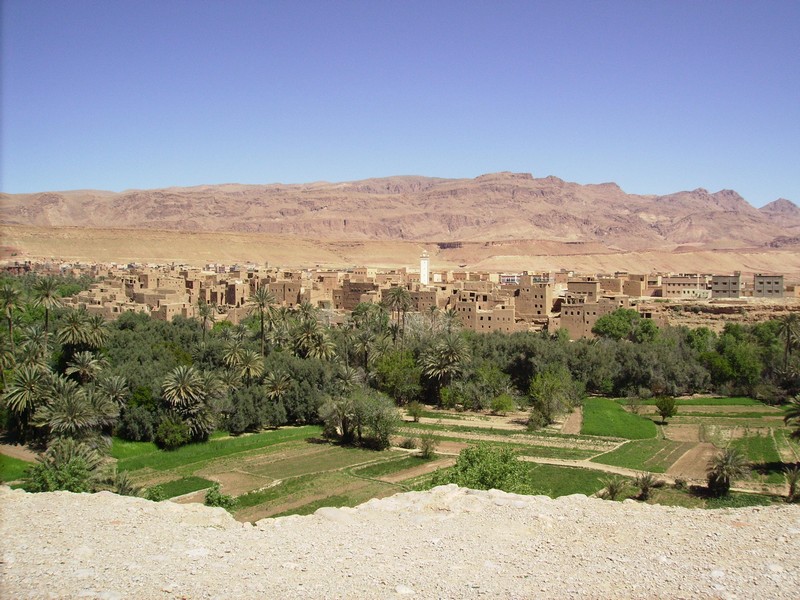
483,301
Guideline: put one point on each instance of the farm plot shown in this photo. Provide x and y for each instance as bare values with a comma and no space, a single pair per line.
655,455
607,418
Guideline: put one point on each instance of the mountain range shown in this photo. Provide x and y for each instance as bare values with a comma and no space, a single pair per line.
494,207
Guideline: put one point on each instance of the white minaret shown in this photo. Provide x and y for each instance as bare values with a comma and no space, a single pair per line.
423,268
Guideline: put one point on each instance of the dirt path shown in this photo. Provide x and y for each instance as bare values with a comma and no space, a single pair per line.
694,462
572,424
20,452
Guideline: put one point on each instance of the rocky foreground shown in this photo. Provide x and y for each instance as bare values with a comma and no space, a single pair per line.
447,543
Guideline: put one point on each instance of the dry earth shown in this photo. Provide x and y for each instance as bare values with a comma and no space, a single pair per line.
446,543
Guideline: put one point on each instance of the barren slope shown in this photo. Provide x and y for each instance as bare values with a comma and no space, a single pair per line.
499,206
446,543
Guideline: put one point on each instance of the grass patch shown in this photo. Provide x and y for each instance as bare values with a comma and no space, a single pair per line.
761,452
388,467
315,459
562,481
122,449
739,500
607,418
655,455
12,469
195,454
185,485
435,414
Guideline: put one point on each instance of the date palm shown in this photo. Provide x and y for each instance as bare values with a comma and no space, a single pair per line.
724,468
9,299
45,294
251,365
398,301
75,330
446,358
207,313
96,331
789,330
276,384
68,412
26,393
116,389
183,387
7,360
35,343
232,352
262,300
85,366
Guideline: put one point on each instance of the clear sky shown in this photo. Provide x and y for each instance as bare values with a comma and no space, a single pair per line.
656,96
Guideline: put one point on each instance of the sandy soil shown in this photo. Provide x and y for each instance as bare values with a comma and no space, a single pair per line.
20,452
682,433
572,424
110,245
694,462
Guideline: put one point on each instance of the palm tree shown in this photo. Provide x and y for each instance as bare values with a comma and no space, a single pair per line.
306,311
263,300
445,359
68,411
232,352
792,416
305,335
85,366
35,343
206,312
9,297
182,387
45,294
96,331
116,389
276,384
25,393
398,301
75,330
451,320
7,360
251,365
789,330
726,466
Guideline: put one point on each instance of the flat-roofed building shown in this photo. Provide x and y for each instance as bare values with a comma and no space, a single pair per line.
768,286
727,286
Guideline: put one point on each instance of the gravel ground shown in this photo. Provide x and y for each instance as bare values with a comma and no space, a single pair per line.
449,542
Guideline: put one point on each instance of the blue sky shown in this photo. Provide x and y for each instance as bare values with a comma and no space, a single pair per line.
656,96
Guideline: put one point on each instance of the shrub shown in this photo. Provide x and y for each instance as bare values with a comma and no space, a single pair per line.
427,446
155,494
214,497
67,465
136,424
172,433
680,483
414,410
503,404
614,487
645,482
666,407
792,475
484,467
536,420
730,464
124,486
408,443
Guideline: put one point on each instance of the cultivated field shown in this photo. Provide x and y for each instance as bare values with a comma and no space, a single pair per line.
294,471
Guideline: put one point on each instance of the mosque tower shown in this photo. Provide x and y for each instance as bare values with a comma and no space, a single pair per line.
423,268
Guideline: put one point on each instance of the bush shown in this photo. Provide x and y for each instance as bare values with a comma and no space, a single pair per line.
666,407
155,494
536,420
136,424
427,446
614,487
172,433
503,404
646,482
680,483
408,443
414,410
485,467
67,465
214,497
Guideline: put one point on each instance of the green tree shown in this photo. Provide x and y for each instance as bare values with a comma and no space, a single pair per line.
789,330
262,300
9,298
66,465
554,392
792,416
666,407
85,366
445,359
485,467
723,469
45,294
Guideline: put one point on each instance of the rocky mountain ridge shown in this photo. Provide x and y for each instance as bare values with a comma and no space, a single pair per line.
492,207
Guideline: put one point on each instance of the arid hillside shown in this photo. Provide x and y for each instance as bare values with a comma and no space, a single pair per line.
496,221
500,206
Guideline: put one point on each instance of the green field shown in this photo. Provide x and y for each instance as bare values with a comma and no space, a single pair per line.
388,467
562,481
12,469
606,417
185,485
655,455
762,453
732,401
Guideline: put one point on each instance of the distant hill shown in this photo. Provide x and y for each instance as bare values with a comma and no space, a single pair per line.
489,208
